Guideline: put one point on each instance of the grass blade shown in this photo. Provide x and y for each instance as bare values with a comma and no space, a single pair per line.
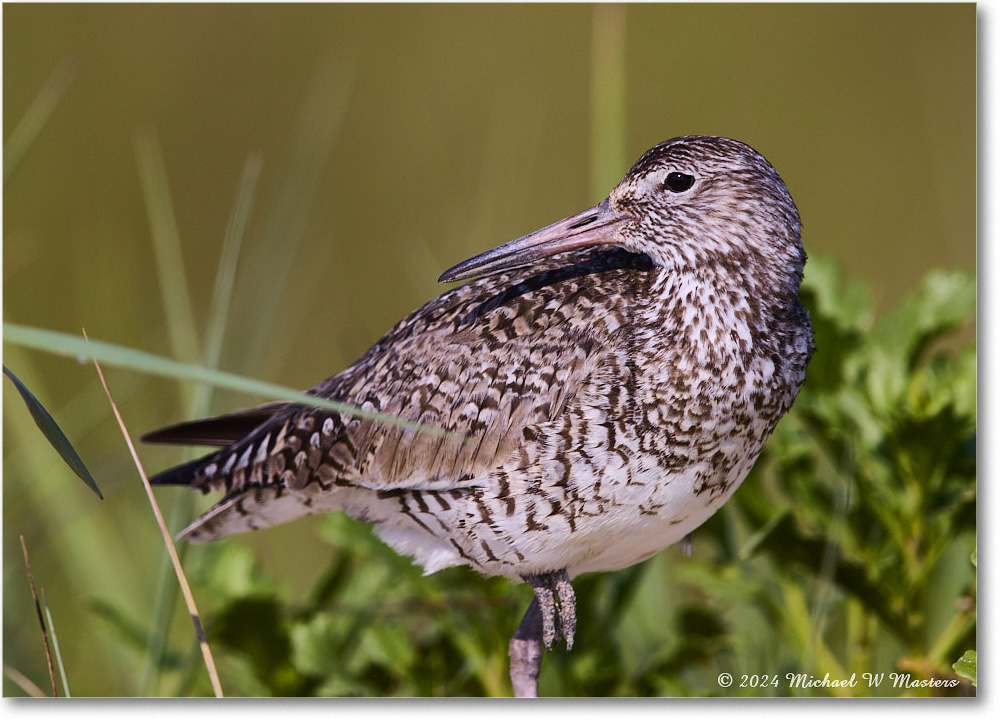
200,405
284,219
607,98
112,354
225,279
36,116
26,684
55,646
167,245
53,433
181,578
41,619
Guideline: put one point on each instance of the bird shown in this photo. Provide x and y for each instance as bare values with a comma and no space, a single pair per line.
604,386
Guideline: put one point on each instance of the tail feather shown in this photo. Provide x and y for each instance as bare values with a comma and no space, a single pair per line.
182,475
233,431
218,431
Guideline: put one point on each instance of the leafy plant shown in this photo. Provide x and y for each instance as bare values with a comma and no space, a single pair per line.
843,553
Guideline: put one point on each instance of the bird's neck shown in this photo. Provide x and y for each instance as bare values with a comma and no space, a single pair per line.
723,300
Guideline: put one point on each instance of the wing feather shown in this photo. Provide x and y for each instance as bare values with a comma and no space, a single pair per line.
486,366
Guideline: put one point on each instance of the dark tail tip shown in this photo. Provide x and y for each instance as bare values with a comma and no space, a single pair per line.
182,475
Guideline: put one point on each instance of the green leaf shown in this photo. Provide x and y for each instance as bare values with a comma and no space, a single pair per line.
946,300
966,666
51,430
847,303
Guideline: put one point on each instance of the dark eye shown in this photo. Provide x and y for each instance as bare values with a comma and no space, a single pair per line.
679,182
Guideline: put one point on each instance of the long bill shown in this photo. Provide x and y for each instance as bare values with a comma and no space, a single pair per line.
592,227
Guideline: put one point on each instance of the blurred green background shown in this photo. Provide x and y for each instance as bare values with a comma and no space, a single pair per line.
388,142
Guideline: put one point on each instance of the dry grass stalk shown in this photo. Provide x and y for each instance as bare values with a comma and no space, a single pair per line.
171,550
41,619
25,683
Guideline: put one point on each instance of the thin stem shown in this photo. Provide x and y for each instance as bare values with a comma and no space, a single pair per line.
41,619
55,646
69,345
171,549
607,98
26,684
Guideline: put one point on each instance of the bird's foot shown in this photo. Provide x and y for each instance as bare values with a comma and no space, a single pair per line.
557,604
551,616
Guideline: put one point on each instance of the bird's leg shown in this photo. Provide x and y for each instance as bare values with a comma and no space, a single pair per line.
525,652
541,624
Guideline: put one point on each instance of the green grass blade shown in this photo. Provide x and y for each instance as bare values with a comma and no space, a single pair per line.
225,279
200,406
607,98
284,219
116,355
53,433
127,629
167,246
55,646
36,116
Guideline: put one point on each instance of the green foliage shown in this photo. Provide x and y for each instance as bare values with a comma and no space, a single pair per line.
372,626
846,551
966,666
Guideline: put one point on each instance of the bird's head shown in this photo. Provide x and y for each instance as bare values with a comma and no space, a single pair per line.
687,202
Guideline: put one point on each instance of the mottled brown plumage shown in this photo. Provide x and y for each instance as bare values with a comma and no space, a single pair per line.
615,374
